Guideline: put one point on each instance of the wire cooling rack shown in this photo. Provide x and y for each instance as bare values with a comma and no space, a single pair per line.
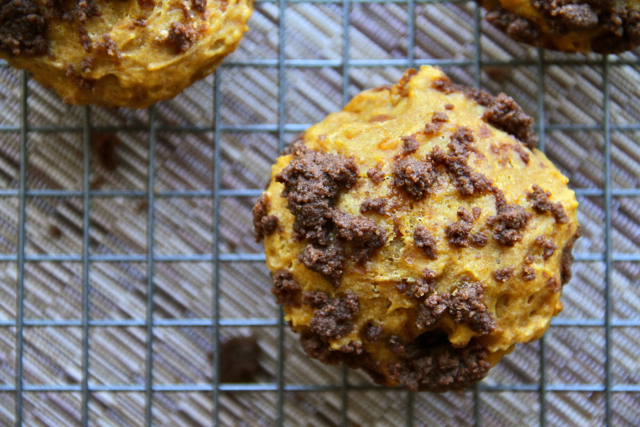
320,49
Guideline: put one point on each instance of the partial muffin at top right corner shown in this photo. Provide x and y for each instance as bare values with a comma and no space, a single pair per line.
601,26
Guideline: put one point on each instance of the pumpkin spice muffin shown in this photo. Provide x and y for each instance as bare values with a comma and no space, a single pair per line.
125,53
602,26
418,234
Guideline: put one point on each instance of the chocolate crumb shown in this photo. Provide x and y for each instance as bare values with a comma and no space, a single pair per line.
328,261
458,232
554,284
435,365
425,241
263,224
315,299
372,332
374,205
104,146
511,221
395,344
467,306
239,360
23,28
334,320
77,79
416,177
479,239
363,232
181,37
528,273
437,120
503,274
507,116
312,182
375,174
528,259
547,245
409,144
567,258
449,107
433,309
285,288
540,201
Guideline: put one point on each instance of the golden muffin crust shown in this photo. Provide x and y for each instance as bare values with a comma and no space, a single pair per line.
602,26
416,235
120,53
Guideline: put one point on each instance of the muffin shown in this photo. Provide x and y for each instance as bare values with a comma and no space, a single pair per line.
602,26
418,234
126,53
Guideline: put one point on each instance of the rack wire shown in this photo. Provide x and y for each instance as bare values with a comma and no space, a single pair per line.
545,385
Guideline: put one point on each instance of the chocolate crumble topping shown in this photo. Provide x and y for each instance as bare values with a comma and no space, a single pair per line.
364,233
515,26
375,174
540,201
416,177
458,232
467,181
334,319
409,144
285,288
372,332
437,121
467,306
554,284
528,273
315,299
328,261
374,205
503,274
263,224
23,28
425,241
424,285
547,245
182,36
434,365
511,221
433,309
506,115
312,182
567,258
479,239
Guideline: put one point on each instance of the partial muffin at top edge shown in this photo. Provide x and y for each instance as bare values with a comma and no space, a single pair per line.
601,26
126,53
417,234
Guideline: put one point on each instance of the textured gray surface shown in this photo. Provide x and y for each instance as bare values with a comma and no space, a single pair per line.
184,161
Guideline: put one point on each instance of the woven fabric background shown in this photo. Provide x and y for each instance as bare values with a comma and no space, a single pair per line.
573,113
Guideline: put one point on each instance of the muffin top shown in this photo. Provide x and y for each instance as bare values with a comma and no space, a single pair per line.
602,26
418,227
125,53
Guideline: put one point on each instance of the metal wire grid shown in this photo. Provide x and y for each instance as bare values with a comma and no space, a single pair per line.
216,257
